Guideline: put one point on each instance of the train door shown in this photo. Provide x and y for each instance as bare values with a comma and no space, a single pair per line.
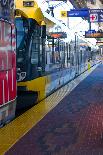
38,50
35,49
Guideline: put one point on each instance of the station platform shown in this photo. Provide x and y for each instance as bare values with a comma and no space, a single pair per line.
68,122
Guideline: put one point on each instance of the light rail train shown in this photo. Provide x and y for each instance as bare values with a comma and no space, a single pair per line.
46,56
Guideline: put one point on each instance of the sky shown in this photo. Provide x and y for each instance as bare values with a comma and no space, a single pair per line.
76,24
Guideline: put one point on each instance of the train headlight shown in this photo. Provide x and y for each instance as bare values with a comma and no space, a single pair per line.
28,3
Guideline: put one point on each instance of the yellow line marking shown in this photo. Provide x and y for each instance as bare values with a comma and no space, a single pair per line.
12,132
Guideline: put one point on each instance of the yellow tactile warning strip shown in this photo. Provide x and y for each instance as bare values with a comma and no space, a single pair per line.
12,132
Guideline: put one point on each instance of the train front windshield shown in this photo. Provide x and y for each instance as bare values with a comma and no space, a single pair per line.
20,32
22,35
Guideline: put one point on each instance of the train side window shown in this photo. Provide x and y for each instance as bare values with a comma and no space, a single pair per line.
48,49
34,58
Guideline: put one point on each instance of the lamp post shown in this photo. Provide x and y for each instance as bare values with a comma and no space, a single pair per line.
76,54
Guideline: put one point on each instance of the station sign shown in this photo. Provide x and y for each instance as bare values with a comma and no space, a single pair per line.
94,34
57,35
96,15
75,13
78,13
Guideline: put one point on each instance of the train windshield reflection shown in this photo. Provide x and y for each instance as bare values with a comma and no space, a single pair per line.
20,32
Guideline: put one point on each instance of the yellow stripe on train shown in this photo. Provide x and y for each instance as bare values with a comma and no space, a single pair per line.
38,85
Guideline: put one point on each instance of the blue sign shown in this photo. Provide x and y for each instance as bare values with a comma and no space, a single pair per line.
78,13
91,31
96,15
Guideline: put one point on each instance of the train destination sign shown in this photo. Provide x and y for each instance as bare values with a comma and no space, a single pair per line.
95,34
